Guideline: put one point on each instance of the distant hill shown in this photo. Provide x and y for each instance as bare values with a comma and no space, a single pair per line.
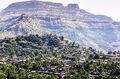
37,17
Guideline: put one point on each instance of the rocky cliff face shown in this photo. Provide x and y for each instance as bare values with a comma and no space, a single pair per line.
37,17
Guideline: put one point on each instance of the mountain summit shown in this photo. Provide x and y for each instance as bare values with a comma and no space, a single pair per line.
37,17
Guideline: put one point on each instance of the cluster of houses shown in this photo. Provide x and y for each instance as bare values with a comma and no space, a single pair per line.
70,58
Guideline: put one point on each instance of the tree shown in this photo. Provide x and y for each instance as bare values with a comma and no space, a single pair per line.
3,76
53,77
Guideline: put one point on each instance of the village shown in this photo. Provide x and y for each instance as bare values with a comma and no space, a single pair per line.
61,59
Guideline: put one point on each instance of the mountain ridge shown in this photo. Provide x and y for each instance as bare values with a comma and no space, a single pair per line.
76,24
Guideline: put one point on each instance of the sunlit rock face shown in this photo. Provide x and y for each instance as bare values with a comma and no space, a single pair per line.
37,17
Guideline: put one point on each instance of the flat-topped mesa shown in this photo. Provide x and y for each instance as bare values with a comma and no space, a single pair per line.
31,5
53,4
73,6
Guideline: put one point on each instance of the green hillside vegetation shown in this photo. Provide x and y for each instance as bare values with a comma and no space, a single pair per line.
53,57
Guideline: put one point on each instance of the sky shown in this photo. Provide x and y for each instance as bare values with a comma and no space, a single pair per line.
110,8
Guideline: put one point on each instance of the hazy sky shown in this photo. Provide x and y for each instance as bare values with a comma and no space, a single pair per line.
110,8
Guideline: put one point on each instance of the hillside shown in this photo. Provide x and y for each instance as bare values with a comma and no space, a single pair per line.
54,57
75,24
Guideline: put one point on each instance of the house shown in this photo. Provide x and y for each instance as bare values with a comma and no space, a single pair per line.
82,59
3,61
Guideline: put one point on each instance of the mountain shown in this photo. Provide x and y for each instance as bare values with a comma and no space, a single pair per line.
37,17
